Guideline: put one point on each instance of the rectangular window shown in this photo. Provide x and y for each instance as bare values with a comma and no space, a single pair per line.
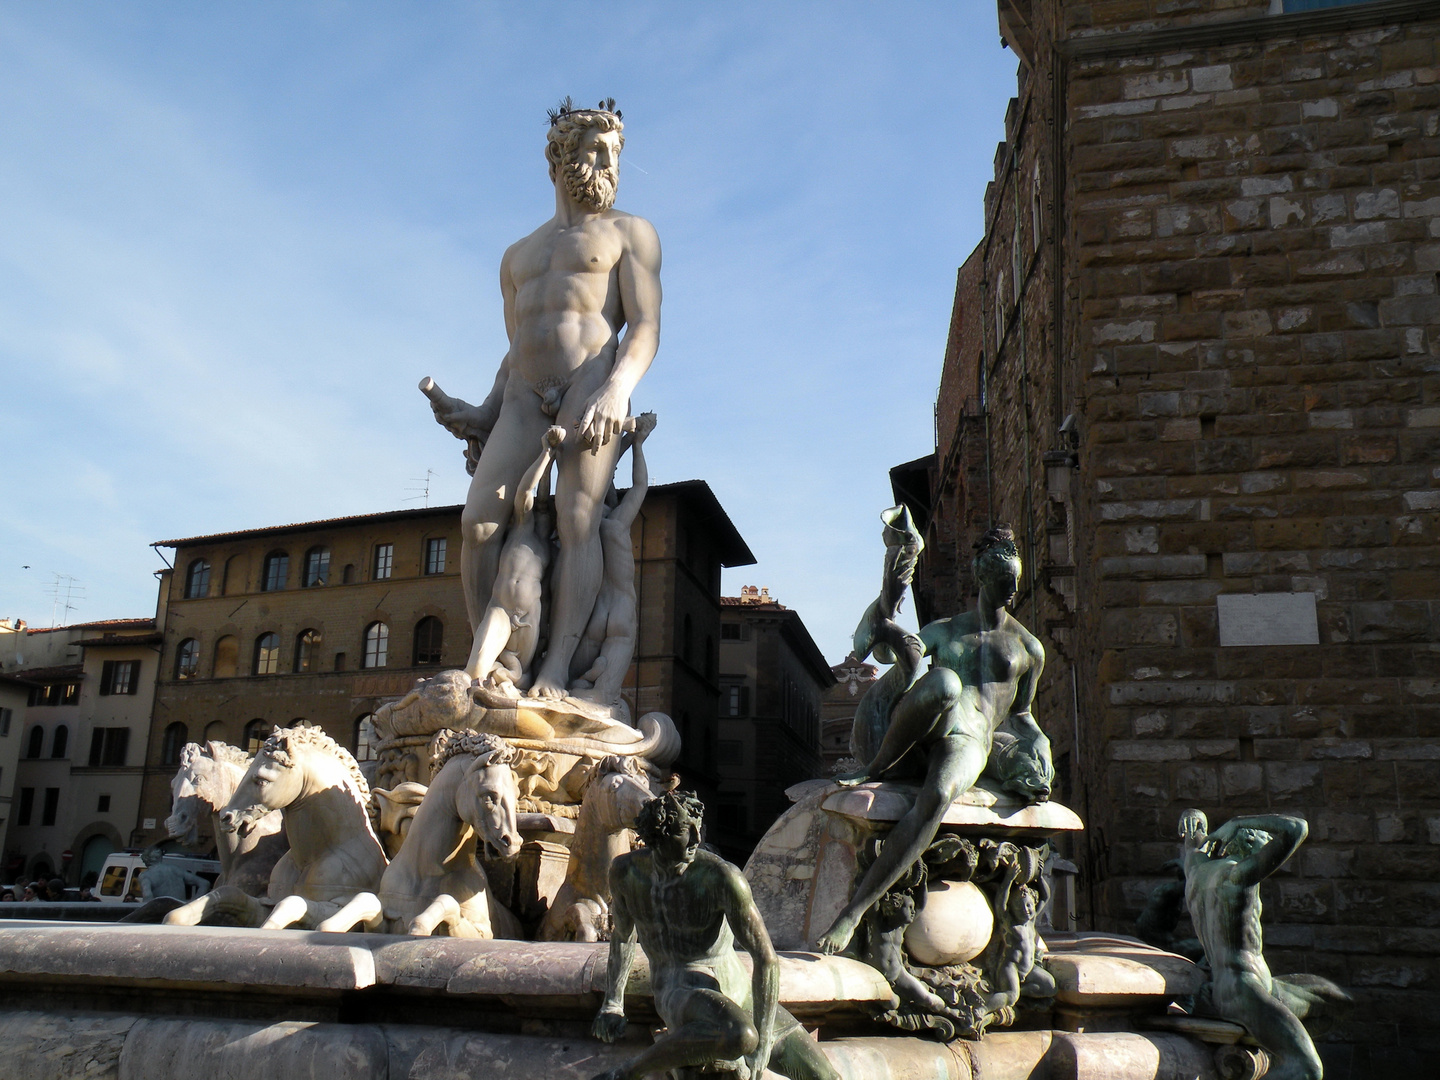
52,804
120,677
730,631
113,883
435,555
276,572
384,561
103,805
736,701
55,694
108,746
5,715
317,568
27,806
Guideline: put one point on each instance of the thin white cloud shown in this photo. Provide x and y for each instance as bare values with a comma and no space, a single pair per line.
231,240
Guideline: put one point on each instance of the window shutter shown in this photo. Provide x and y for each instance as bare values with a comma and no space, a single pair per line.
107,676
745,701
122,744
134,678
97,746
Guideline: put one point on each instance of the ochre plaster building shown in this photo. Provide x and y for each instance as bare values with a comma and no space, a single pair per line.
1195,362
76,795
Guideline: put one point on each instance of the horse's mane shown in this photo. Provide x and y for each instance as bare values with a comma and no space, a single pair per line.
224,752
278,744
449,743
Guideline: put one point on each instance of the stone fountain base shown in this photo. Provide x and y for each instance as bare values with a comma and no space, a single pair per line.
202,1003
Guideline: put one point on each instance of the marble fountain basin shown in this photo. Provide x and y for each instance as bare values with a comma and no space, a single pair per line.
126,1002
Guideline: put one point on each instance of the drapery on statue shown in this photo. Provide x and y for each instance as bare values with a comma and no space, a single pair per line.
1223,871
984,670
687,907
569,288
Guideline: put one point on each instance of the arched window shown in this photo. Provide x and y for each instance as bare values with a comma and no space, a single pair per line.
317,567
710,657
364,744
176,736
347,576
256,732
307,650
377,645
197,580
60,742
275,572
215,731
227,657
685,635
187,659
267,654
429,634
36,746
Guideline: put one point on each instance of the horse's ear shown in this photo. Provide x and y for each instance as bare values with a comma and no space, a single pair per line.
479,761
212,749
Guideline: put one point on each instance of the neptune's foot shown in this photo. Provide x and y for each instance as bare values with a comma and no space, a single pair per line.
851,779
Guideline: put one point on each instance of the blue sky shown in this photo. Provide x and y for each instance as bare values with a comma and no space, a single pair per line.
234,236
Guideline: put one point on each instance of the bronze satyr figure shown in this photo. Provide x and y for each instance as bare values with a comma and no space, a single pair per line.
1223,871
687,907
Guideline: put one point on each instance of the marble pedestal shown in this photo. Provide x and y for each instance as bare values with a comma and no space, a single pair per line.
803,869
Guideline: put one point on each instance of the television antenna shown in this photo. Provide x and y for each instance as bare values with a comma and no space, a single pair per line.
64,591
423,487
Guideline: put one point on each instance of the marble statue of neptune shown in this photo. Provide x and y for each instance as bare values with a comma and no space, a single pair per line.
570,288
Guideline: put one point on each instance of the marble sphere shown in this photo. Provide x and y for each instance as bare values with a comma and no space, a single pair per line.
954,925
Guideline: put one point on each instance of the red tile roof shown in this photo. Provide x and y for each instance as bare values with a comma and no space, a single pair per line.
103,624
61,673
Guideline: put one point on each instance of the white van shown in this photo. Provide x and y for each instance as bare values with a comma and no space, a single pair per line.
120,876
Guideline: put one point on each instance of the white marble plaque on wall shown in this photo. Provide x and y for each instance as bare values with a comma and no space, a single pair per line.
1268,619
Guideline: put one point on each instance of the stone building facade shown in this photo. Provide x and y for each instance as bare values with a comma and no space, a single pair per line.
321,622
772,681
1209,373
81,746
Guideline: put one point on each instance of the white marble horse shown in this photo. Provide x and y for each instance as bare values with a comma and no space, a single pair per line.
435,879
333,854
204,784
614,792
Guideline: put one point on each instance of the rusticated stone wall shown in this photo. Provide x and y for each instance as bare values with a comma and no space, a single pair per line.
1257,241
1239,301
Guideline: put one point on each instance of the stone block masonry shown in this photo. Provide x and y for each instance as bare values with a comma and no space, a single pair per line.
1236,293
1256,254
